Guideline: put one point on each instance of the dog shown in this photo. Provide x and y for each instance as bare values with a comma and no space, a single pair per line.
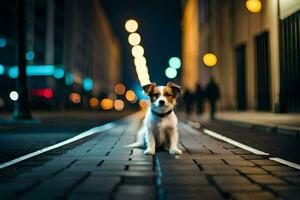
159,127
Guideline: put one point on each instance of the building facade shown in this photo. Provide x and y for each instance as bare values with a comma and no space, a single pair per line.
258,53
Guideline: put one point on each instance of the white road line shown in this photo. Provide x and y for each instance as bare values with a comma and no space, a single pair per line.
285,162
87,133
233,142
247,148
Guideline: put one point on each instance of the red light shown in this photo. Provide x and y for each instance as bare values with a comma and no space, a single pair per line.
48,93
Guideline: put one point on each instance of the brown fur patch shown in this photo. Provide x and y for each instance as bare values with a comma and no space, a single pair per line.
169,94
154,94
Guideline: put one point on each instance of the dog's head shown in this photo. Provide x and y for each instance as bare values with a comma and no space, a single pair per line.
163,98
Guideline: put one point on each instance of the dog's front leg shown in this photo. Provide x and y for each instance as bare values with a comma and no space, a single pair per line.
174,142
150,144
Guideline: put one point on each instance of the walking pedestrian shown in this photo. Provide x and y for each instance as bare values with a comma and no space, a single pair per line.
213,95
199,98
188,99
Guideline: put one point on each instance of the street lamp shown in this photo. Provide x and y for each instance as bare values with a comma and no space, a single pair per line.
253,6
210,59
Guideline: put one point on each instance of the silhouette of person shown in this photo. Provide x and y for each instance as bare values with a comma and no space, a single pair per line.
212,95
199,98
188,99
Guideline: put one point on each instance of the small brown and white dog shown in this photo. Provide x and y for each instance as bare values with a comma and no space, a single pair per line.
159,127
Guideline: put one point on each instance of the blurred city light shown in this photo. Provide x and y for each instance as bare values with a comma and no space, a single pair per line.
134,39
2,69
137,51
120,89
253,6
13,95
30,55
107,104
140,61
3,42
175,62
46,93
93,102
171,72
87,84
119,105
59,73
130,96
75,97
131,25
69,79
210,59
143,104
13,72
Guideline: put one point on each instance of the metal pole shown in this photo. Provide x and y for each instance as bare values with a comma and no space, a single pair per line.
22,108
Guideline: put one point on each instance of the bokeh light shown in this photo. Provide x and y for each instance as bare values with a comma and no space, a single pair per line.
175,62
119,105
130,96
13,95
120,89
88,84
131,25
171,72
75,97
137,51
140,61
93,102
3,42
30,55
143,104
107,104
59,73
134,39
2,69
210,59
253,6
1,102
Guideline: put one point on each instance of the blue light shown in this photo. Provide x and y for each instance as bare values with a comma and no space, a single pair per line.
59,73
30,55
139,91
2,69
171,72
87,84
69,79
13,72
2,42
175,62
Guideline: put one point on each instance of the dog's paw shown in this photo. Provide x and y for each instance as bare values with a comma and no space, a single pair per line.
175,151
149,152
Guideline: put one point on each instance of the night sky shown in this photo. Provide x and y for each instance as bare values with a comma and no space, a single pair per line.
159,27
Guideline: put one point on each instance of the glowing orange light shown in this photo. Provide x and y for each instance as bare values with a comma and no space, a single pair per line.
75,97
253,6
119,105
143,104
130,96
137,51
107,104
131,25
134,39
120,89
210,59
94,102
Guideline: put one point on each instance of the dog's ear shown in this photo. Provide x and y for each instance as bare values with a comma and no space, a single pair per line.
149,88
177,90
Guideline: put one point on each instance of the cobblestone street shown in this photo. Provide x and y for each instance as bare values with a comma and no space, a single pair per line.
99,167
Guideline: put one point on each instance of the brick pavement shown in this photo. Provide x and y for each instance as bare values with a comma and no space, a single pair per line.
100,168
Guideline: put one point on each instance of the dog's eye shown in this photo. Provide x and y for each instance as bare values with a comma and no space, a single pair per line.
168,94
156,95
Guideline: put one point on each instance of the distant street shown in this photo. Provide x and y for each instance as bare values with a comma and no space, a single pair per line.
21,139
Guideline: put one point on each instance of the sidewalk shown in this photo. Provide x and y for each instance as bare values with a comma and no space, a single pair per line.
100,168
272,122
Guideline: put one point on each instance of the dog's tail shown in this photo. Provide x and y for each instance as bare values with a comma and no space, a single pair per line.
135,145
140,139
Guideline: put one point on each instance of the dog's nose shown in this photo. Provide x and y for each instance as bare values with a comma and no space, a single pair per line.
161,102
